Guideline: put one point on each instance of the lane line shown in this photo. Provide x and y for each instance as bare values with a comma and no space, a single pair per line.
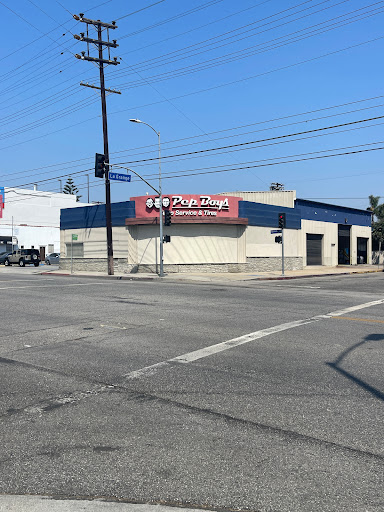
49,286
20,280
241,340
358,319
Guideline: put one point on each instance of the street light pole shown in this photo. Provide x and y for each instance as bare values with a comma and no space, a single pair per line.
161,273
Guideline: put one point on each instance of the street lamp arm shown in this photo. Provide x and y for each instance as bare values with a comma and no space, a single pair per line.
157,133
137,174
143,122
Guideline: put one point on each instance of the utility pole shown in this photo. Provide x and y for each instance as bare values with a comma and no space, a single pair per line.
100,61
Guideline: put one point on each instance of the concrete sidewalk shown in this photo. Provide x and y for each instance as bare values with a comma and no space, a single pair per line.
227,277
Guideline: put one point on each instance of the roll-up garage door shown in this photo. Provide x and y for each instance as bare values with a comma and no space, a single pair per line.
314,249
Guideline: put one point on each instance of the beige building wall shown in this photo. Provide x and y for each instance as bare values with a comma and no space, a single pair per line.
95,241
261,243
190,244
276,197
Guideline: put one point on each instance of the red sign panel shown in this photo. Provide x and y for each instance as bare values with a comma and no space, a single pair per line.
188,206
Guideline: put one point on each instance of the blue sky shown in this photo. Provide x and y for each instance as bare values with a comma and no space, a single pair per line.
230,82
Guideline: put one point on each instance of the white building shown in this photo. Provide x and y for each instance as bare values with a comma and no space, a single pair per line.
32,218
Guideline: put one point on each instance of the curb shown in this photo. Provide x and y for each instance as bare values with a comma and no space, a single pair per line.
133,277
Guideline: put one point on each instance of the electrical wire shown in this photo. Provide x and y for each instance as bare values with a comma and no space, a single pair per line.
261,163
215,39
231,129
173,18
139,10
157,43
265,46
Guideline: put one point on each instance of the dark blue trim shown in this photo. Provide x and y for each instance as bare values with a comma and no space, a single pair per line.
267,215
94,216
312,210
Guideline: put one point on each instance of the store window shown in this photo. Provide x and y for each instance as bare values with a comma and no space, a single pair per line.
77,248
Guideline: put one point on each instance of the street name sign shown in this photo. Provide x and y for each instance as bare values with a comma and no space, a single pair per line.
274,231
119,177
74,237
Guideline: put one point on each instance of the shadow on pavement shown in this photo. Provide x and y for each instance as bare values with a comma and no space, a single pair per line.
336,365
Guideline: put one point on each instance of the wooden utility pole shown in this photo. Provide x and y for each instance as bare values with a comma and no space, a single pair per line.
100,61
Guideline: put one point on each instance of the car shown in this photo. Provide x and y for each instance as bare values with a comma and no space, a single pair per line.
23,257
52,259
3,257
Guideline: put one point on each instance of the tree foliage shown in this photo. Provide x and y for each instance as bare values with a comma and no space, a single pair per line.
70,188
377,219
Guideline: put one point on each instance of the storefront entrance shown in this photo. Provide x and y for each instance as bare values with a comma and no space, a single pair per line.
362,250
344,244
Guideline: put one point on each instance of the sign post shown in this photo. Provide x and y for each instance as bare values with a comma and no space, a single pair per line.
74,237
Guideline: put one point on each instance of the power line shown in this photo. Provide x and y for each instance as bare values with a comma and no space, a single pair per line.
220,36
261,140
234,128
173,18
139,10
33,26
198,28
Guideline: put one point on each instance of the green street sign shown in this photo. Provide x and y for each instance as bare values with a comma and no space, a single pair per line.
74,237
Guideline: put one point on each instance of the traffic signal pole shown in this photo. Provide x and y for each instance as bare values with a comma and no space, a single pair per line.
100,61
282,223
282,251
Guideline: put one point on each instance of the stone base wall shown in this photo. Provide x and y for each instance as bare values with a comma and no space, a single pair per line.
97,265
122,267
265,264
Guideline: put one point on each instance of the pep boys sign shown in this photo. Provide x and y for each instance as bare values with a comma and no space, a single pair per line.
188,206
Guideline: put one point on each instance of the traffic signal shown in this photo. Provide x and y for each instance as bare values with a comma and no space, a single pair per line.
99,165
166,238
281,220
278,239
167,218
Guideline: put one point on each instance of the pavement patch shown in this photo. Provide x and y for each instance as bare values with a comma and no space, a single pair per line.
18,503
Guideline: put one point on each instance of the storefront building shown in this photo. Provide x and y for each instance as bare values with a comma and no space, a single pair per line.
228,232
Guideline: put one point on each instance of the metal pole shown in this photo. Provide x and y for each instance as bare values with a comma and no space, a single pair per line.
378,259
61,186
282,251
12,234
72,255
88,186
161,274
108,214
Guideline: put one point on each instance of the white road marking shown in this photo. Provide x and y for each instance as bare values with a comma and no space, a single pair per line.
297,286
241,340
112,327
49,286
20,280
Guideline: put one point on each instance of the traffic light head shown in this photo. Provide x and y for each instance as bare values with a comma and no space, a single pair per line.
99,165
281,220
167,218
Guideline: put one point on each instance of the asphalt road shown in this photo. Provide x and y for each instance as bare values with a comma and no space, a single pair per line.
263,396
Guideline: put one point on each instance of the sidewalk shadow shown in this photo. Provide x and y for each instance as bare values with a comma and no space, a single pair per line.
336,365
